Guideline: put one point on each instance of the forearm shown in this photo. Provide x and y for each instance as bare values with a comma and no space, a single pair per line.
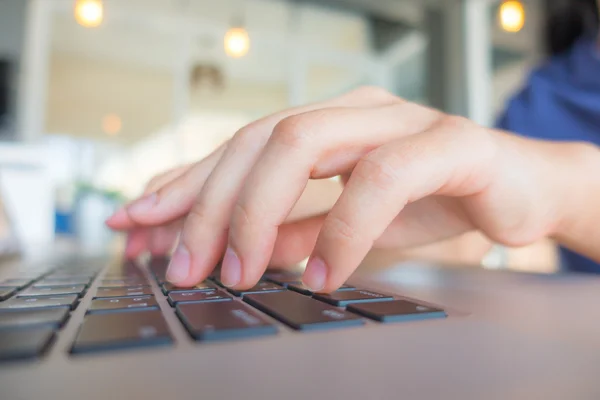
579,227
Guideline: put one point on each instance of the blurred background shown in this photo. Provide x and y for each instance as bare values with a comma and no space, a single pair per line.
97,96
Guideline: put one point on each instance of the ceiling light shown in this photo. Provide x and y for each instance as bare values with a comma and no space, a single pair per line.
112,124
237,42
89,13
511,16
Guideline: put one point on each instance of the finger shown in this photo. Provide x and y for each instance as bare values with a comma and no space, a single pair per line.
204,234
137,242
120,220
295,241
440,161
175,198
163,238
318,144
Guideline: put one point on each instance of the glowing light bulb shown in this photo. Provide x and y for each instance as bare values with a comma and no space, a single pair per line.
512,16
237,42
112,124
89,13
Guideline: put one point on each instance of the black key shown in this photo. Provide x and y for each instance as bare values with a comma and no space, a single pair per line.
79,275
52,291
68,301
201,287
61,282
397,310
343,298
124,276
123,292
158,265
260,287
301,312
6,292
300,288
54,317
27,343
18,283
222,320
122,283
196,297
284,279
282,275
123,304
102,332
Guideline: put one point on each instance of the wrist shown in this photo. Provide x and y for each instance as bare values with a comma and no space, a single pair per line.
578,188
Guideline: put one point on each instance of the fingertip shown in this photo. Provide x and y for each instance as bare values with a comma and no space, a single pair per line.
231,268
119,220
179,268
315,275
142,205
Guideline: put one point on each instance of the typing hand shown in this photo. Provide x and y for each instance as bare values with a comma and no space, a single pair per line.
412,176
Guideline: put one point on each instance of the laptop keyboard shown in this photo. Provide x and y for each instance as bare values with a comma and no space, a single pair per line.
124,313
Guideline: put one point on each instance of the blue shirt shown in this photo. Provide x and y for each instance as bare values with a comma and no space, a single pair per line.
561,101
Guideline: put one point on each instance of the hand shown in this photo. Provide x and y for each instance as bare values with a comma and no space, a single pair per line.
412,176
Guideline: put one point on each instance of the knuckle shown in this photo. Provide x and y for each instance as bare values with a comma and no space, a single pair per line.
154,183
470,134
240,216
294,131
197,215
243,135
338,228
375,93
378,168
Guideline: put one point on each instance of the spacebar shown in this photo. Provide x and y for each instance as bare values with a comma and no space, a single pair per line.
301,312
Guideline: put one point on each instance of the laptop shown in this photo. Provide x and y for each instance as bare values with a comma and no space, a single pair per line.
73,327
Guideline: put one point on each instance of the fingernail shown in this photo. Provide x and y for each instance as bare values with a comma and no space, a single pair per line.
179,268
143,205
315,274
231,269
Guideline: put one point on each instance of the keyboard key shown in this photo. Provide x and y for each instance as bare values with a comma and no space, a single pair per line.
300,288
345,297
102,332
24,343
18,283
52,291
123,304
61,282
122,283
196,297
397,310
201,287
6,292
301,312
284,279
123,292
222,320
68,301
260,287
78,275
54,317
124,276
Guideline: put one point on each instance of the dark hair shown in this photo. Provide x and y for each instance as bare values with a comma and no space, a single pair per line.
567,21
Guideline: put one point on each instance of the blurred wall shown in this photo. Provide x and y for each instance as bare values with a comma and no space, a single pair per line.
82,91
